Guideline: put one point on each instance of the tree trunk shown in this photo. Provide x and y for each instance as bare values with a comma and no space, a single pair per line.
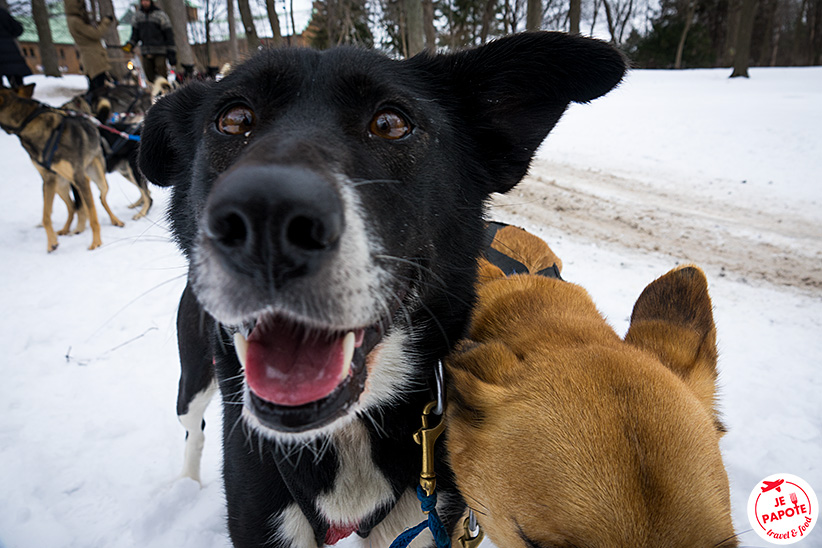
815,24
689,17
743,43
274,21
775,50
533,15
594,16
293,24
208,16
610,19
624,15
248,25
734,12
428,25
574,16
48,53
176,11
487,19
232,33
414,25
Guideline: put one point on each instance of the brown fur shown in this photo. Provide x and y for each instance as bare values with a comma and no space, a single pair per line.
561,434
78,156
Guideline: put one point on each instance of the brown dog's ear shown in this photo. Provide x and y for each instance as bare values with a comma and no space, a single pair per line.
512,92
169,131
673,319
26,91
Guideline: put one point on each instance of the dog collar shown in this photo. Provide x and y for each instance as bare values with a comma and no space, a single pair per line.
509,265
38,110
336,534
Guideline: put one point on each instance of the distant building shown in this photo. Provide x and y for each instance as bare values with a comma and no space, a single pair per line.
68,56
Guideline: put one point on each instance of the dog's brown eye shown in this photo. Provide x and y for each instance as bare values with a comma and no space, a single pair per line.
389,125
236,120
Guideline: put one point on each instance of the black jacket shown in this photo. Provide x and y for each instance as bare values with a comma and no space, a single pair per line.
11,61
152,31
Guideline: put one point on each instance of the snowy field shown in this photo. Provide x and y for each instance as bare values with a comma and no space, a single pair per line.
90,447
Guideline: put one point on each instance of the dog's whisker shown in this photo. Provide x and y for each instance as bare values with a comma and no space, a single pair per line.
360,182
414,263
477,506
379,428
234,426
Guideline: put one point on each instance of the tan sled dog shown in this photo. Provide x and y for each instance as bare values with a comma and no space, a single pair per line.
66,151
561,434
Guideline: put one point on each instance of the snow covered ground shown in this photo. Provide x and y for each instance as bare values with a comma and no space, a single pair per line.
89,442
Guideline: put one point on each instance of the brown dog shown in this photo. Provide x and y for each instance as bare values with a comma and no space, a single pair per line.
562,434
66,151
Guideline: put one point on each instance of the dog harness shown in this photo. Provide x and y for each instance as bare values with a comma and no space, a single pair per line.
508,264
47,155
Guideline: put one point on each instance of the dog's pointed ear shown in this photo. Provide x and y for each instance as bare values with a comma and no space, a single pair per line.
26,91
512,91
168,133
673,320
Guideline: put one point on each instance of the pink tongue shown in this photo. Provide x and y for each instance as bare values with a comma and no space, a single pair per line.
285,368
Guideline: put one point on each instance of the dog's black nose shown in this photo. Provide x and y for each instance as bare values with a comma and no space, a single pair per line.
280,220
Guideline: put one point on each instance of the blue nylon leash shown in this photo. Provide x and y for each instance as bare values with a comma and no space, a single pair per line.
426,490
434,523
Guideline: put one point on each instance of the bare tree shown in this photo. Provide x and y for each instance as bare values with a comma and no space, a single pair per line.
428,25
248,24
596,5
488,17
533,17
48,53
176,11
232,32
689,17
618,13
415,33
574,16
274,21
732,34
291,16
743,43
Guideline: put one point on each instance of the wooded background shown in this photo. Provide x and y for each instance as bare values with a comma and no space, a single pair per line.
652,33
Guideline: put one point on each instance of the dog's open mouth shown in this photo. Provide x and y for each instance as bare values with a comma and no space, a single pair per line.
301,378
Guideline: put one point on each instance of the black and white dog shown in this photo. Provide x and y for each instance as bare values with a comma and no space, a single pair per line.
331,207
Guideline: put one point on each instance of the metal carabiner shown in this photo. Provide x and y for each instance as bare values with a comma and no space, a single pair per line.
426,437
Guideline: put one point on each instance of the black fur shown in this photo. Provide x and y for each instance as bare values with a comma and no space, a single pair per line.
477,118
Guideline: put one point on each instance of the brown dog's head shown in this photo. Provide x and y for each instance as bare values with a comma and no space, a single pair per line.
15,105
562,434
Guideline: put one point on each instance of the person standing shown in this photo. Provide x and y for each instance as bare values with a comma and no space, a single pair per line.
88,36
12,64
151,30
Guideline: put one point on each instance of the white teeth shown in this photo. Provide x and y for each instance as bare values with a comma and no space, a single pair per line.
240,347
348,354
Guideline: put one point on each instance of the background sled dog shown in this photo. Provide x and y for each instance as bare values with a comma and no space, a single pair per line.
66,151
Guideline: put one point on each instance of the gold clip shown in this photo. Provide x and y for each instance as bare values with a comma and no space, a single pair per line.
468,541
426,437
